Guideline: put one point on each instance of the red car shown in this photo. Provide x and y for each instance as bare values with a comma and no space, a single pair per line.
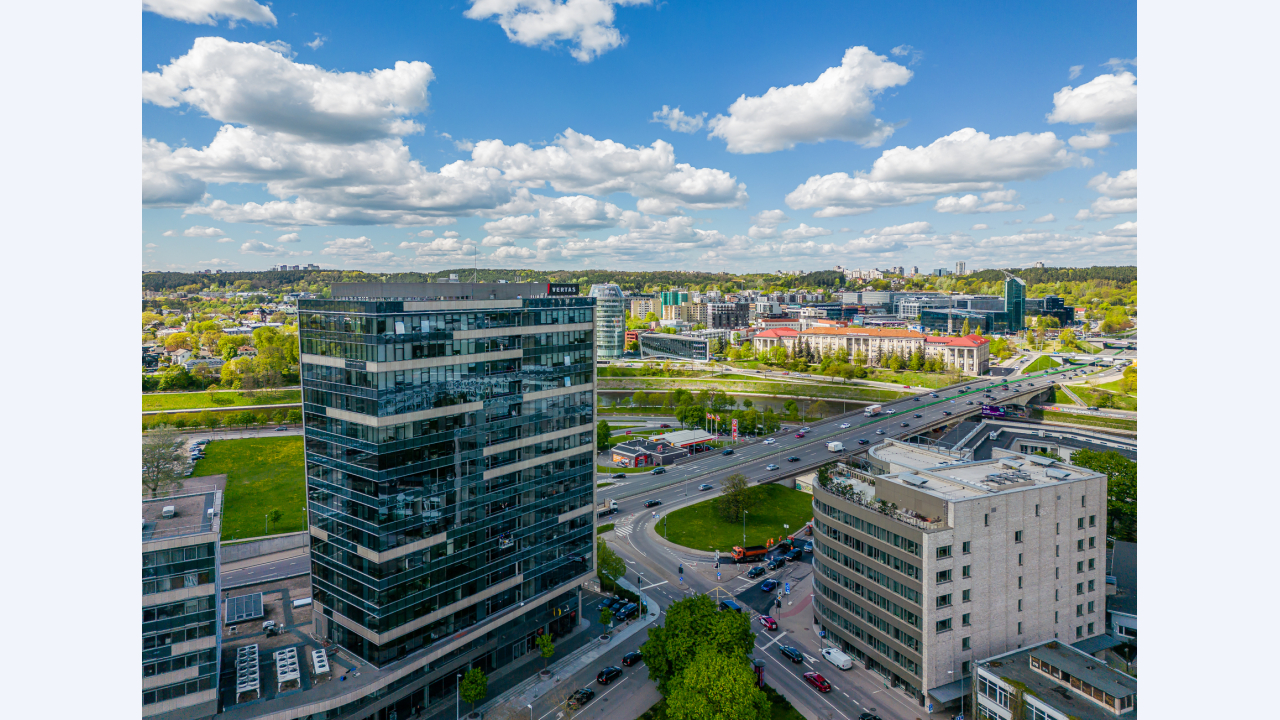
907,387
768,622
819,682
664,425
799,435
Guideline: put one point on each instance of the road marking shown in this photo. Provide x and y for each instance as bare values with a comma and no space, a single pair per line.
778,637
650,587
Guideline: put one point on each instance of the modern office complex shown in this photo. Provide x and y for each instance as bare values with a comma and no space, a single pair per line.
675,347
181,632
449,456
1052,681
611,321
940,562
1015,302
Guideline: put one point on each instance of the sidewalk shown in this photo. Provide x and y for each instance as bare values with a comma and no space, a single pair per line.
266,559
535,687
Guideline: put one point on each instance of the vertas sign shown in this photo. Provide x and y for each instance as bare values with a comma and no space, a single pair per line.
554,289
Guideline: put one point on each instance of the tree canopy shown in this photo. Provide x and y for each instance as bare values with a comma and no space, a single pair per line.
694,624
1122,489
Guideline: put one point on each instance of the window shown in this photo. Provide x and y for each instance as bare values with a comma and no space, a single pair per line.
1090,607
1019,604
1080,567
986,520
964,619
1080,523
1090,628
944,600
944,576
964,595
964,571
1055,593
1055,574
1091,585
1093,521
1091,565
1017,536
1082,497
1019,628
1019,559
1057,528
1055,615
966,667
1079,588
1079,610
944,552
964,547
1079,631
1057,551
943,625
1093,542
1080,545
964,643
1037,509
1019,582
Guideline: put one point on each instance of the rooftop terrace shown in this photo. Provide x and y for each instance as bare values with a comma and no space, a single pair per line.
954,479
1080,678
183,512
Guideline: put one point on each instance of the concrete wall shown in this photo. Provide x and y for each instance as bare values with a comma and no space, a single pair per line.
265,546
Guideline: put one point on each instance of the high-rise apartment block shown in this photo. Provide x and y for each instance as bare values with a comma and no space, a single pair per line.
611,320
940,562
449,456
960,267
641,307
181,629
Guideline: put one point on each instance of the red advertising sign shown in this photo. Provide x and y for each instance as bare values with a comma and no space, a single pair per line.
735,430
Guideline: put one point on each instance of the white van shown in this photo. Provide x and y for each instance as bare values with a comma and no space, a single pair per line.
837,658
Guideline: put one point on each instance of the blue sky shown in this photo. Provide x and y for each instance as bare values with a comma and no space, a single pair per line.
414,136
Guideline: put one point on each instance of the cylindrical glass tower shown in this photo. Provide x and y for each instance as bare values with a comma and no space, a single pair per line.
611,321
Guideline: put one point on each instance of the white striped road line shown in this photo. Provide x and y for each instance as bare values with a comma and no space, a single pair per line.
776,638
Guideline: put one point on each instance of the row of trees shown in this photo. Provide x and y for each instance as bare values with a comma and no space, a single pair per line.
1122,489
209,419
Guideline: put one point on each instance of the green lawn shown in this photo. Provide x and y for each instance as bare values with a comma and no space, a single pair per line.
605,484
1061,397
1113,386
193,400
1044,362
700,526
1093,396
1115,423
914,379
604,528
611,470
262,474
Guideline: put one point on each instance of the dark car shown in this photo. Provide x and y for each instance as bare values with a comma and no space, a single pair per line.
791,654
657,471
793,458
631,658
628,611
819,682
917,415
946,412
795,555
580,698
769,585
704,486
783,546
652,503
777,562
905,425
727,451
864,441
868,716
969,402
615,604
916,399
933,394
755,572
617,476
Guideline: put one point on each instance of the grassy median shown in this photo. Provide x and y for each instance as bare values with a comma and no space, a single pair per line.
263,474
700,526
195,400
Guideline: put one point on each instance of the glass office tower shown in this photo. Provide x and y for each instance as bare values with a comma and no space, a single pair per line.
611,320
449,450
1015,300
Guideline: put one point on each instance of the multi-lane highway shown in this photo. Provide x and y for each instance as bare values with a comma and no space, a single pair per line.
898,419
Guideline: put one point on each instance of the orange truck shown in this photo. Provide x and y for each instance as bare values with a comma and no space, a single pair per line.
748,554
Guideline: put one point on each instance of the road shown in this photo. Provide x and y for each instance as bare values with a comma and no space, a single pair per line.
287,567
853,691
752,458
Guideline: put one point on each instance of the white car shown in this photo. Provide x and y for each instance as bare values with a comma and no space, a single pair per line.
844,426
770,441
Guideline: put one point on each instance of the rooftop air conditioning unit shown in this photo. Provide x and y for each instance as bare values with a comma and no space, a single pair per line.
210,513
168,512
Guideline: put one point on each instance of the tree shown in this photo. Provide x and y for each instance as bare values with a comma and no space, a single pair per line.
275,515
691,624
791,407
633,346
546,647
603,431
608,564
179,341
736,498
162,461
606,616
475,686
747,403
1122,489
293,417
639,399
717,687
1129,380
820,409
964,330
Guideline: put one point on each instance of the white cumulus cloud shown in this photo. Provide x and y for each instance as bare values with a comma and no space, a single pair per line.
201,231
980,226
1045,219
1119,195
835,106
803,232
208,12
915,228
676,120
765,223
250,84
1109,102
165,188
966,160
289,238
586,26
257,247
988,202
1074,72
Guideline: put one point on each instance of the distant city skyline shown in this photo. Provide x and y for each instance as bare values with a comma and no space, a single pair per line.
399,137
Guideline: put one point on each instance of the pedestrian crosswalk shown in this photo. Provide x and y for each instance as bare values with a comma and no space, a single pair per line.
622,530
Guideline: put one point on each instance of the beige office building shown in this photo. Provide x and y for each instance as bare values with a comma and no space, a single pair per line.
941,561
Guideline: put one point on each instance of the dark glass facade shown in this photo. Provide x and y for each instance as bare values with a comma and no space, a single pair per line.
1015,303
444,440
681,347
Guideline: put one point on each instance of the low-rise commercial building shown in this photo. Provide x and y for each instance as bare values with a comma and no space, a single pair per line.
181,628
1052,681
675,347
943,561
644,453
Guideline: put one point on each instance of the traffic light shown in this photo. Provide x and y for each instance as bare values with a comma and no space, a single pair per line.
681,570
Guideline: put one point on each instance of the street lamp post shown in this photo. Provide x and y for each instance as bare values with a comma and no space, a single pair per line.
458,712
530,711
744,528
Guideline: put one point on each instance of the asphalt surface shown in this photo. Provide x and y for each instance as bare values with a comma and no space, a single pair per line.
288,567
752,459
